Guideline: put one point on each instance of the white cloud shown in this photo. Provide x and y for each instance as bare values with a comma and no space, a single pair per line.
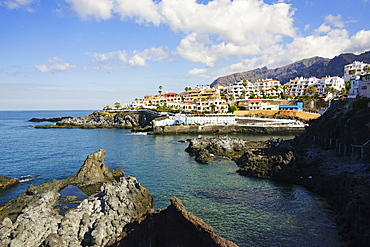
15,4
253,31
360,42
153,54
99,9
336,21
54,64
144,11
109,56
210,29
197,72
136,59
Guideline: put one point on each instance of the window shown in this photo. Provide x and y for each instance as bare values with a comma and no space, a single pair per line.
364,87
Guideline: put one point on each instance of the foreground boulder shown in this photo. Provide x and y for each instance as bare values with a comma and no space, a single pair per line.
92,174
93,223
172,226
34,219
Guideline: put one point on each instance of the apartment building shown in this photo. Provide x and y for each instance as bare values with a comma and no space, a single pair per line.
354,70
300,86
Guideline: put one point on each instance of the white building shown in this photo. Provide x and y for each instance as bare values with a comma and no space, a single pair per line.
244,89
352,73
354,70
268,87
298,86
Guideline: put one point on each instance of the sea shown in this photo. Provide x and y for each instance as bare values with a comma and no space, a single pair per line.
247,211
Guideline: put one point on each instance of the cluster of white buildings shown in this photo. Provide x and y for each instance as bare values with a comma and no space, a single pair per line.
310,86
358,73
217,99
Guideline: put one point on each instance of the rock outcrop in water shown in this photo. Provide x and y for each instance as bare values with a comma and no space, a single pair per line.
226,146
6,183
114,119
172,226
33,218
93,223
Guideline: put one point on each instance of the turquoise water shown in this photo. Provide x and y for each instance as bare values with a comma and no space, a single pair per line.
250,212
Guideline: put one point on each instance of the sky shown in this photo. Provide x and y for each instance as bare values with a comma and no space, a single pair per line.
86,54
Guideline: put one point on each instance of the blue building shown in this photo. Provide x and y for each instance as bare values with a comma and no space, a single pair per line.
297,107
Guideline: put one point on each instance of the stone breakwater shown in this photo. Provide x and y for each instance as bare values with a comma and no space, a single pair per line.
120,211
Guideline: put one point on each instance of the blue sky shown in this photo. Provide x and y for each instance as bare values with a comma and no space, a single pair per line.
85,54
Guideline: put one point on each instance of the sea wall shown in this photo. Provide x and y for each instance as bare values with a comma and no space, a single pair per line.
223,129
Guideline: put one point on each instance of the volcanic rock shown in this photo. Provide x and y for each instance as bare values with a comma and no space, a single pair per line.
6,182
92,174
203,156
266,166
93,223
220,146
172,226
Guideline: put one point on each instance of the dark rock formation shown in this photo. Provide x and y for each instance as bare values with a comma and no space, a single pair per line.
173,226
6,183
220,146
316,66
55,119
112,119
264,165
94,222
203,156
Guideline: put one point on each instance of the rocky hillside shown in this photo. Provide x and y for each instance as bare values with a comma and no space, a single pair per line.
316,66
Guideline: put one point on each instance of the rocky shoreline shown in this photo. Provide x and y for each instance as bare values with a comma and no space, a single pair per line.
117,212
319,165
141,121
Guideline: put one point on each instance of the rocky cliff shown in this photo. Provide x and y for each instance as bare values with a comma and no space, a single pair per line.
316,66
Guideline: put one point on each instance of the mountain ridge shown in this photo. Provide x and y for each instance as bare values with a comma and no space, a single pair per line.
314,66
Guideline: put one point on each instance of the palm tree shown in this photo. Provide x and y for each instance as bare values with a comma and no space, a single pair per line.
284,88
310,90
160,89
117,105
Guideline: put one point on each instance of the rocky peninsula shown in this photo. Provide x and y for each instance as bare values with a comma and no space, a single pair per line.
327,160
117,212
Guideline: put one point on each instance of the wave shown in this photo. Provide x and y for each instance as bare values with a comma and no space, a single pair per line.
27,178
138,133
